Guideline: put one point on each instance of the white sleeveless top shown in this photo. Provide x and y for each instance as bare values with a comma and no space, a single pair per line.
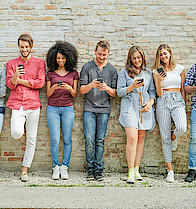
173,78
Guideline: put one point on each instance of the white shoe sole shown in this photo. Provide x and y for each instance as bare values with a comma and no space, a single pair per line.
129,181
170,181
65,178
139,178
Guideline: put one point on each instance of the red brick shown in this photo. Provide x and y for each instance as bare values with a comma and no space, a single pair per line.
107,140
14,159
9,153
20,1
23,148
46,18
50,7
14,7
176,13
113,135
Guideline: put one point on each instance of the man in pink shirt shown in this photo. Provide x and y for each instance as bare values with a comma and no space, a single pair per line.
25,76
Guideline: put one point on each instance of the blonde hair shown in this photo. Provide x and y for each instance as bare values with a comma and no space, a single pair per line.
158,63
132,72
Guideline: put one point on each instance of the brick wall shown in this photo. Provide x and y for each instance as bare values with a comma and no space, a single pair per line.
147,23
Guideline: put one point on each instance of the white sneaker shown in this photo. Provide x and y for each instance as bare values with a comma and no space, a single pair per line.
131,176
24,177
174,144
137,174
64,173
55,175
170,176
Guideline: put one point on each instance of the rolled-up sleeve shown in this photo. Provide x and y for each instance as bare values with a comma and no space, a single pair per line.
121,84
191,76
2,82
10,73
151,89
40,79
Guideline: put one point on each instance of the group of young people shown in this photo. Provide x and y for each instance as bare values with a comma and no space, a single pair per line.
136,85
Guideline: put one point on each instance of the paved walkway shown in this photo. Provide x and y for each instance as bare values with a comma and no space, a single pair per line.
43,192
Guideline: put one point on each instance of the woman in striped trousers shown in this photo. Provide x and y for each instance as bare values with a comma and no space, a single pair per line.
169,78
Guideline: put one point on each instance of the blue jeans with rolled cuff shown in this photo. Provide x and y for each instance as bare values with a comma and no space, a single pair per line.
95,127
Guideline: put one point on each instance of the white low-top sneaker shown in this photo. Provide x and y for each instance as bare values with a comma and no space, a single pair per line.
137,174
170,176
64,172
24,177
131,176
55,175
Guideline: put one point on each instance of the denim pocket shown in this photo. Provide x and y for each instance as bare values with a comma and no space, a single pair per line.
126,105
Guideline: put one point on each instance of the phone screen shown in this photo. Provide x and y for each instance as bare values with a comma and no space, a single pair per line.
100,80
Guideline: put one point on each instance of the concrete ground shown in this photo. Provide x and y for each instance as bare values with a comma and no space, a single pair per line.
43,192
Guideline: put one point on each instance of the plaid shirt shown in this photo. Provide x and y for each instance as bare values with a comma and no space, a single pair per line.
2,86
191,81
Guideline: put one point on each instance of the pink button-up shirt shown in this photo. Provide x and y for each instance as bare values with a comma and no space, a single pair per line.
21,95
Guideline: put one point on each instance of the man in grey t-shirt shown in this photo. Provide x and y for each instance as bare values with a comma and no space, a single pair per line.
98,81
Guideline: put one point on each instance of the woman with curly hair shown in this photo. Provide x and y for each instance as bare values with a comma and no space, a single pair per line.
169,78
136,88
62,82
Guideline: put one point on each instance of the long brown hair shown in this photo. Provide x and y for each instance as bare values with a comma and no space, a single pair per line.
158,63
132,71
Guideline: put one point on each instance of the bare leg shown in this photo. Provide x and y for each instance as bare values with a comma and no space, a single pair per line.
169,165
140,147
24,169
132,138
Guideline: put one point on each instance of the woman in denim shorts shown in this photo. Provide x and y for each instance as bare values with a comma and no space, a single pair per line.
136,88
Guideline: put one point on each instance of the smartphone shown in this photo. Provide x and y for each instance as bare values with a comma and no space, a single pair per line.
21,66
160,70
140,80
60,83
100,80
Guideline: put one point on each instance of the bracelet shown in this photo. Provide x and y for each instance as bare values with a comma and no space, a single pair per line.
160,86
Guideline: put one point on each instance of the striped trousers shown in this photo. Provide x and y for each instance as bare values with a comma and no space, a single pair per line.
170,105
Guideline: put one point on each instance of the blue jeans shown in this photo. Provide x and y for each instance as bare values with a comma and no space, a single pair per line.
192,145
95,127
65,117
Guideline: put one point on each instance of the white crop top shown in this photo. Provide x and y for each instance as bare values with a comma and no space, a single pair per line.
173,78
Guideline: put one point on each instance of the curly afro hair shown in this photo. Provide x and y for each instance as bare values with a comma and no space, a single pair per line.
67,50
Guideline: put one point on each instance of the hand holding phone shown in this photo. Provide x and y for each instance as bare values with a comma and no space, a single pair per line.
21,66
100,80
140,80
162,72
60,83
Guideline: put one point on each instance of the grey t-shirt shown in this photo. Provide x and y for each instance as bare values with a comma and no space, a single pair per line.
98,101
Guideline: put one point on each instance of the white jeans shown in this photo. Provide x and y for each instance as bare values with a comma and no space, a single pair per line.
1,121
31,117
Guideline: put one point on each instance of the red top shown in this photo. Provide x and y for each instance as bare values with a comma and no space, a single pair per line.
61,97
22,95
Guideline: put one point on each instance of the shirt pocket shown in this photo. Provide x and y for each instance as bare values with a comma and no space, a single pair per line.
126,105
